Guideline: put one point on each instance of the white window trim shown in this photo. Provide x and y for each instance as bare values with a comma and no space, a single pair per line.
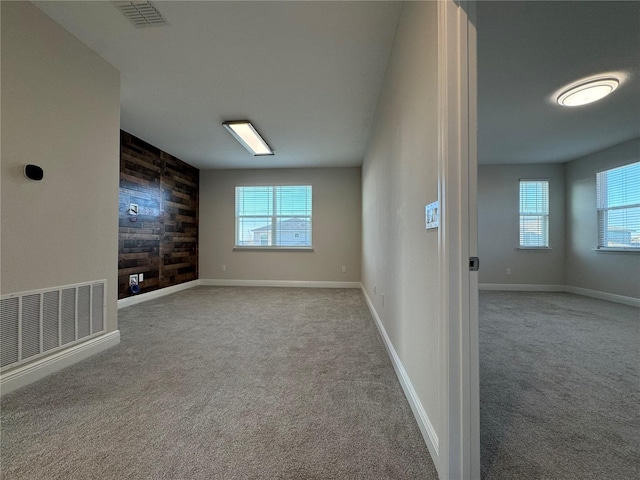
251,248
604,248
271,248
632,250
546,247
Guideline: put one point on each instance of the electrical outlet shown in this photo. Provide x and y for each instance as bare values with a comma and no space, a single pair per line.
133,279
140,277
133,209
375,289
224,268
344,269
508,271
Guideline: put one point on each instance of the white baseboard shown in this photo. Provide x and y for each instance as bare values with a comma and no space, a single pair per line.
220,282
522,287
525,287
611,297
143,297
27,374
424,423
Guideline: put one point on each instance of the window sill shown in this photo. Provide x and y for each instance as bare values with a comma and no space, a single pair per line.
617,250
535,249
273,249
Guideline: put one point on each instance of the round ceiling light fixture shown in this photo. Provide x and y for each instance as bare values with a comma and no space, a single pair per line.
587,91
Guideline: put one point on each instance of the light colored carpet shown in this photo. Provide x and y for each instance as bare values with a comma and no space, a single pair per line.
223,383
559,387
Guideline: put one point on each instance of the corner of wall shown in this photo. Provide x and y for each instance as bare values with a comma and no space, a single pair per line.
158,236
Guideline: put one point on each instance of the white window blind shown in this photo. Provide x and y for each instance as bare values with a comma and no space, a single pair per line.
273,216
534,213
618,203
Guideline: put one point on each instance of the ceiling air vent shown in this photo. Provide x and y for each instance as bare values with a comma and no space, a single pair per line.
141,14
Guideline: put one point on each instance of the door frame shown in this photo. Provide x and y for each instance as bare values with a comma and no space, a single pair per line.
457,239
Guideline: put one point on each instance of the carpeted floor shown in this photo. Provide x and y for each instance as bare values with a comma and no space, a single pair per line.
223,383
559,387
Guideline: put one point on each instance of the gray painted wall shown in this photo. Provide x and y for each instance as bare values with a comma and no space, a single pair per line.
573,237
60,110
617,273
336,227
498,226
400,177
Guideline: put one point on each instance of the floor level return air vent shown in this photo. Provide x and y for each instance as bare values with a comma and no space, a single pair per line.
40,322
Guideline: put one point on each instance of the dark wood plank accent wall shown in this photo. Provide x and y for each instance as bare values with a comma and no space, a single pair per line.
162,240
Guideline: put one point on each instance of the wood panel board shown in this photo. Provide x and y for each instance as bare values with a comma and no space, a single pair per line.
162,240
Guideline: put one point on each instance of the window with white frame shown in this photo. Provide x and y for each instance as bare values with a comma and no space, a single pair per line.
534,213
273,216
618,203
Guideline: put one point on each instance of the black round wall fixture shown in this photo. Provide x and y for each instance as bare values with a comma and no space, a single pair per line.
33,172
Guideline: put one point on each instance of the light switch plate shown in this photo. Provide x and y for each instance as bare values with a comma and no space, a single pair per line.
431,214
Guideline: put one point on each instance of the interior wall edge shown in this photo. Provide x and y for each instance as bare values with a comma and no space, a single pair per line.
585,292
522,287
37,370
214,282
161,292
610,297
158,217
422,419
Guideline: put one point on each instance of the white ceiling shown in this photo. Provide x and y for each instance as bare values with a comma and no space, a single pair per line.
309,74
529,50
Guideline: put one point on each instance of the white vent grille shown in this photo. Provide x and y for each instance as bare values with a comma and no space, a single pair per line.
97,310
84,311
9,330
30,325
50,315
68,315
36,322
141,14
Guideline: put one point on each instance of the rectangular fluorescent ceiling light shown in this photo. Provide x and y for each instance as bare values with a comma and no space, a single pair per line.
248,136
